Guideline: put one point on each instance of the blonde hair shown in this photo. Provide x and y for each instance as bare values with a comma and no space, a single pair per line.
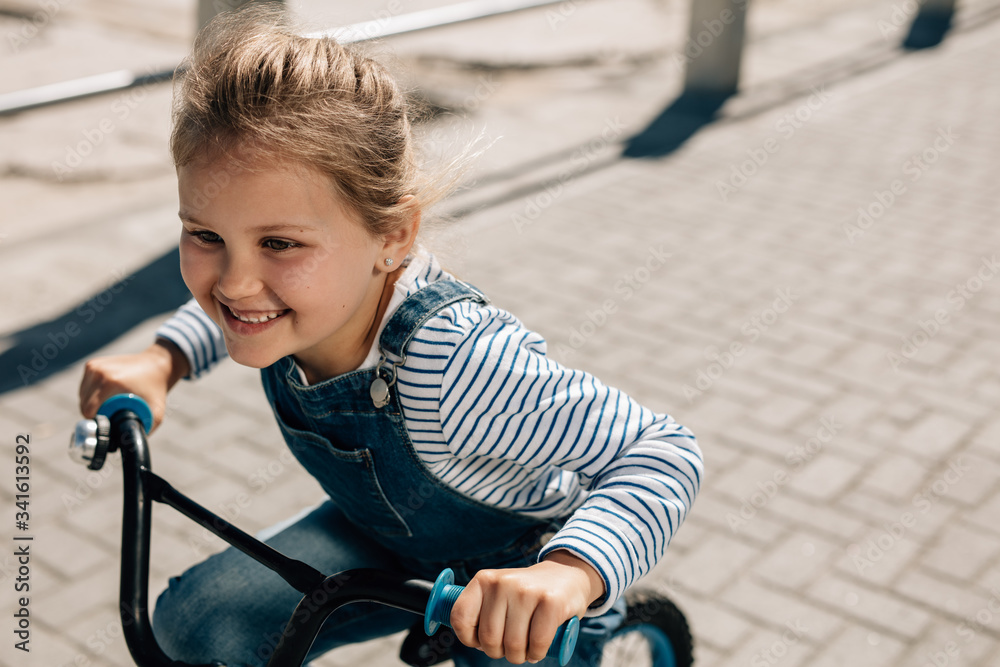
253,86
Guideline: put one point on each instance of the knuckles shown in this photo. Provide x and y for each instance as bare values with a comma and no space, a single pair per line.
521,592
488,578
513,584
492,642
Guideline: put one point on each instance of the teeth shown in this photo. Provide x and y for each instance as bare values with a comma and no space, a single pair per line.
255,320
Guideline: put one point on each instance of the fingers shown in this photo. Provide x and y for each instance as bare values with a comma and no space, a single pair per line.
465,614
505,617
544,624
493,617
90,389
146,374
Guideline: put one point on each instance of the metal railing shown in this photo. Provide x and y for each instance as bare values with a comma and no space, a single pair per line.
461,12
713,52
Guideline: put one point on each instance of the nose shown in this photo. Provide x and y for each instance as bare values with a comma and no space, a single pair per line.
238,278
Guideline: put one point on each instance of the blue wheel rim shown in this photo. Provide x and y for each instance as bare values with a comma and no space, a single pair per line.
659,643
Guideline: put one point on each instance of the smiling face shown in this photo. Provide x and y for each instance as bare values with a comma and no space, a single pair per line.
277,261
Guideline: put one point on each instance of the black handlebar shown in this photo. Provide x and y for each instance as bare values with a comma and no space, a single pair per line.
130,418
142,487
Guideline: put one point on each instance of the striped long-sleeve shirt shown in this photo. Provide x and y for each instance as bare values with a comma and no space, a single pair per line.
496,419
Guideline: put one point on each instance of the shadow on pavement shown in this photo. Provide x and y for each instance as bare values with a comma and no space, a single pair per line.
49,347
929,28
676,124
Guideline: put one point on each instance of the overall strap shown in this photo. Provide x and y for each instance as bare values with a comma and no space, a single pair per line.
419,307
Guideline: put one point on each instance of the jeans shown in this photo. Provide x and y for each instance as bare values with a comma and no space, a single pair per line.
232,609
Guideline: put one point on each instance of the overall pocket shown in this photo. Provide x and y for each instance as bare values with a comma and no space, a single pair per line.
349,477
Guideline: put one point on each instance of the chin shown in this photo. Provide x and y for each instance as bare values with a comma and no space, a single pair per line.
252,360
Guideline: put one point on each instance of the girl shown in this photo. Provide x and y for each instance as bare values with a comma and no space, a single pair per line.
440,430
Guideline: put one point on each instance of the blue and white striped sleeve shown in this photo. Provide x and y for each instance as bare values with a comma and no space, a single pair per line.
197,336
501,397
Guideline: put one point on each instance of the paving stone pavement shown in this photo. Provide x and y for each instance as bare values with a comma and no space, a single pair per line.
825,322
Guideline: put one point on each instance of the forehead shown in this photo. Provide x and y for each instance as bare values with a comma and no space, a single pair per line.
213,173
262,192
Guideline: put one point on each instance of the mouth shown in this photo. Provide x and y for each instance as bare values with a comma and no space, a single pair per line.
252,319
256,318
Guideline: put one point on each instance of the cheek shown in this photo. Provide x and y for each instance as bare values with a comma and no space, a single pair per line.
319,275
290,281
195,269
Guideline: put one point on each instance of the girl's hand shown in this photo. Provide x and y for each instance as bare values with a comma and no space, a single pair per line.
149,374
514,613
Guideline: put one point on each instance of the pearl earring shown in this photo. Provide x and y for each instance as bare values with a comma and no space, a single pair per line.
388,261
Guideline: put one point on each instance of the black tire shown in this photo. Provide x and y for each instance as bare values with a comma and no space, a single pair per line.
649,608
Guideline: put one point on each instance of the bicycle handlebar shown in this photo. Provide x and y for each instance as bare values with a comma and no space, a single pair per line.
130,419
445,593
128,402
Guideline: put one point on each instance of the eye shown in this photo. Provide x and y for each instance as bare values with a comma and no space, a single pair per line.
278,245
205,238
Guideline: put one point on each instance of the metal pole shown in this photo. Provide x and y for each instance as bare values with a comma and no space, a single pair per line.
429,18
715,46
30,98
22,100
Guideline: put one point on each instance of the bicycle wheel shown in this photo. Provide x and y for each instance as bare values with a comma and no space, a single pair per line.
654,634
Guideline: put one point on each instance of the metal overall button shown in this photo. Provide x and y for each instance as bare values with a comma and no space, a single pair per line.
379,389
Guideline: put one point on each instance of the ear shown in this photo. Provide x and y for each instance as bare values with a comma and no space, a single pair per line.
398,242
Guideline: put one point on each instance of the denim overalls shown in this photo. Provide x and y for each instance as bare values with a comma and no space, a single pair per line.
386,510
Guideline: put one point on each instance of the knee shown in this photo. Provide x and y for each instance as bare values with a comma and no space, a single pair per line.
191,626
182,623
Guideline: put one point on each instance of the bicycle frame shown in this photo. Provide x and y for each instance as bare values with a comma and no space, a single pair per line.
322,594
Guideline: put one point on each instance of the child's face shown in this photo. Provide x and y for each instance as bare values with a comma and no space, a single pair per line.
277,246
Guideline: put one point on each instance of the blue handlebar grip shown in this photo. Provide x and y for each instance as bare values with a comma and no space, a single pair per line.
445,593
128,402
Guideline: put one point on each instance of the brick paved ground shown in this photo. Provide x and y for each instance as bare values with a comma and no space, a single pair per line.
838,368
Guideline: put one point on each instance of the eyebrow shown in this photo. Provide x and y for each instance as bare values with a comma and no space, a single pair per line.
263,229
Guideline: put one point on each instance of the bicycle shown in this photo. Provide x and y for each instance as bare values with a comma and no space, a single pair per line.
654,630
